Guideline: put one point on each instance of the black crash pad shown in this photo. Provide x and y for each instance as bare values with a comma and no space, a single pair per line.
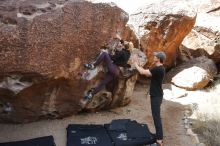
41,141
84,135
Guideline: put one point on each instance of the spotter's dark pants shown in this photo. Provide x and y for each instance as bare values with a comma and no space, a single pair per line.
155,109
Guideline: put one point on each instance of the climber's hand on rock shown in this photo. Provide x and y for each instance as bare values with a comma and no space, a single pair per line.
135,60
117,36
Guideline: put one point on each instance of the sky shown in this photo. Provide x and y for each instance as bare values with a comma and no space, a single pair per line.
131,5
128,5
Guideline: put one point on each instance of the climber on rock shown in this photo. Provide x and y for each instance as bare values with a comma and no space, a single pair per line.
113,62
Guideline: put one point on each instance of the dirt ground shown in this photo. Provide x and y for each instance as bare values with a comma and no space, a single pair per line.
138,109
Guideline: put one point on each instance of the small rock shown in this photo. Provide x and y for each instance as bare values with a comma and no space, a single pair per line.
201,144
189,131
195,138
194,74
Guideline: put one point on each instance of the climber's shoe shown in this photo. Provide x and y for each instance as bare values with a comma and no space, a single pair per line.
86,99
7,108
88,96
89,66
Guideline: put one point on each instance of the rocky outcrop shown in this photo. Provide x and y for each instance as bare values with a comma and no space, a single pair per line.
194,74
204,39
163,26
43,46
130,35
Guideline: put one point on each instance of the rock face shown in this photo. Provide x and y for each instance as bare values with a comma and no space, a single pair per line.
129,34
43,46
194,74
204,39
163,26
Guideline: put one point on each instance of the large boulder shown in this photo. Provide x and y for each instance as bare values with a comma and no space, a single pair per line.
163,26
130,35
204,39
43,46
194,74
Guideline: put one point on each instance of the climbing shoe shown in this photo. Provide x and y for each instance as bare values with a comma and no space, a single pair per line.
88,96
7,108
86,99
89,66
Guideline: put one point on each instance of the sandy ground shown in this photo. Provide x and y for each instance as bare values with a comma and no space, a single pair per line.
139,109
